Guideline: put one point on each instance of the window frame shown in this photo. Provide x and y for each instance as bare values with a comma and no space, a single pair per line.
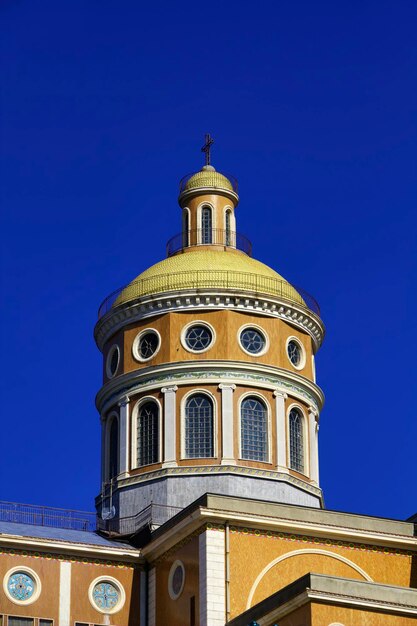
197,323
116,584
260,398
134,424
262,331
29,572
306,448
211,396
136,341
112,415
114,348
296,340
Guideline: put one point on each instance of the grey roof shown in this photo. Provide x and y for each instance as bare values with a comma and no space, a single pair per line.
60,534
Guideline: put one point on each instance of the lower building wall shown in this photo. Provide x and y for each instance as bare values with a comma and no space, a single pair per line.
65,583
325,615
262,562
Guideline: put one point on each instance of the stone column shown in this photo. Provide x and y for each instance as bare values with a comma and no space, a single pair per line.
313,444
103,450
281,436
228,457
170,430
124,434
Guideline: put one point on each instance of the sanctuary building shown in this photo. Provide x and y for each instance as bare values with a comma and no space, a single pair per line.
210,510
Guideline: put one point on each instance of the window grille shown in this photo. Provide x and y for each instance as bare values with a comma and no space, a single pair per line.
148,434
114,449
228,238
199,441
185,229
206,234
254,430
296,441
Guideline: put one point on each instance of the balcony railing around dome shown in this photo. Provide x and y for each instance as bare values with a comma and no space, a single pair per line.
213,237
209,279
152,516
231,179
20,513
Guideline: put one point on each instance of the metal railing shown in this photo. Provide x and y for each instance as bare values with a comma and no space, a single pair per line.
47,516
209,279
231,179
211,237
152,516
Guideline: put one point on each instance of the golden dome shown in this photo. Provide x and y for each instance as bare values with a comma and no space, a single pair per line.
208,177
201,268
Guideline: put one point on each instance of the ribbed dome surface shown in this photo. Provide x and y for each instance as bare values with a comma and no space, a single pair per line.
208,178
201,268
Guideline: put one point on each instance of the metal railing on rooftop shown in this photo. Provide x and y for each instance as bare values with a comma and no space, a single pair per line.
47,516
211,237
152,516
209,279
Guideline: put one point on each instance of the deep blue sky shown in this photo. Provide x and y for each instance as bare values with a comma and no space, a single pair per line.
313,106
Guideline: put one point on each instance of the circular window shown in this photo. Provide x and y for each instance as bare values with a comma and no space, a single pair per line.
295,353
106,594
112,362
22,585
197,337
253,340
146,344
176,580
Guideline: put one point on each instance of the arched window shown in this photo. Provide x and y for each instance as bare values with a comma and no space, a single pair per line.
228,227
206,225
148,434
254,430
185,228
114,448
199,430
296,440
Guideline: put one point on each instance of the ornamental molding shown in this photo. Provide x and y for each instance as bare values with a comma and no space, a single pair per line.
205,299
197,470
206,372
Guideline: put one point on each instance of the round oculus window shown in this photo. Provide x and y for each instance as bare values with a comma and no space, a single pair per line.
252,340
148,344
198,337
113,359
21,586
295,353
176,580
105,595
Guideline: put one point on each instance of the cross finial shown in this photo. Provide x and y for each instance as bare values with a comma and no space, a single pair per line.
206,147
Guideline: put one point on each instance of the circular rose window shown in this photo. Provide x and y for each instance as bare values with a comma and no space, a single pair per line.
176,580
22,585
107,595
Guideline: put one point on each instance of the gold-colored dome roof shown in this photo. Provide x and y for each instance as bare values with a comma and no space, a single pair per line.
202,268
208,178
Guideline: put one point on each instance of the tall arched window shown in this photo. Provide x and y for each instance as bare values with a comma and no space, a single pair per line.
148,434
254,430
206,225
199,428
185,228
114,448
228,218
296,440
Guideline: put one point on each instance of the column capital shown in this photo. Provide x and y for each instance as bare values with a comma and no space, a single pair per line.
280,394
226,386
123,401
312,411
171,389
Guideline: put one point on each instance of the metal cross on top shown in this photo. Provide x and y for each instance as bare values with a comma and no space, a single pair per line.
207,146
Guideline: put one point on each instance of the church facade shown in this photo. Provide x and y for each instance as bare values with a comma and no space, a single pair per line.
210,510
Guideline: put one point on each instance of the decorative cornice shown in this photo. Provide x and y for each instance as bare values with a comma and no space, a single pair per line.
227,372
216,469
193,300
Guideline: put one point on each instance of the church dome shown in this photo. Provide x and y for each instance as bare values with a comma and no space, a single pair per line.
207,268
208,177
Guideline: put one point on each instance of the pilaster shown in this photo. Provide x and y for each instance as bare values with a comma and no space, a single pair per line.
170,457
313,445
281,435
228,457
124,434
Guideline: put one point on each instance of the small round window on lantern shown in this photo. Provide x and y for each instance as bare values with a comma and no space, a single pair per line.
106,594
22,585
112,362
197,337
176,580
295,353
253,340
146,344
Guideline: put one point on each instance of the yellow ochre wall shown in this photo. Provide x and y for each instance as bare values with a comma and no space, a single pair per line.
252,550
323,614
226,347
218,204
177,612
83,572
